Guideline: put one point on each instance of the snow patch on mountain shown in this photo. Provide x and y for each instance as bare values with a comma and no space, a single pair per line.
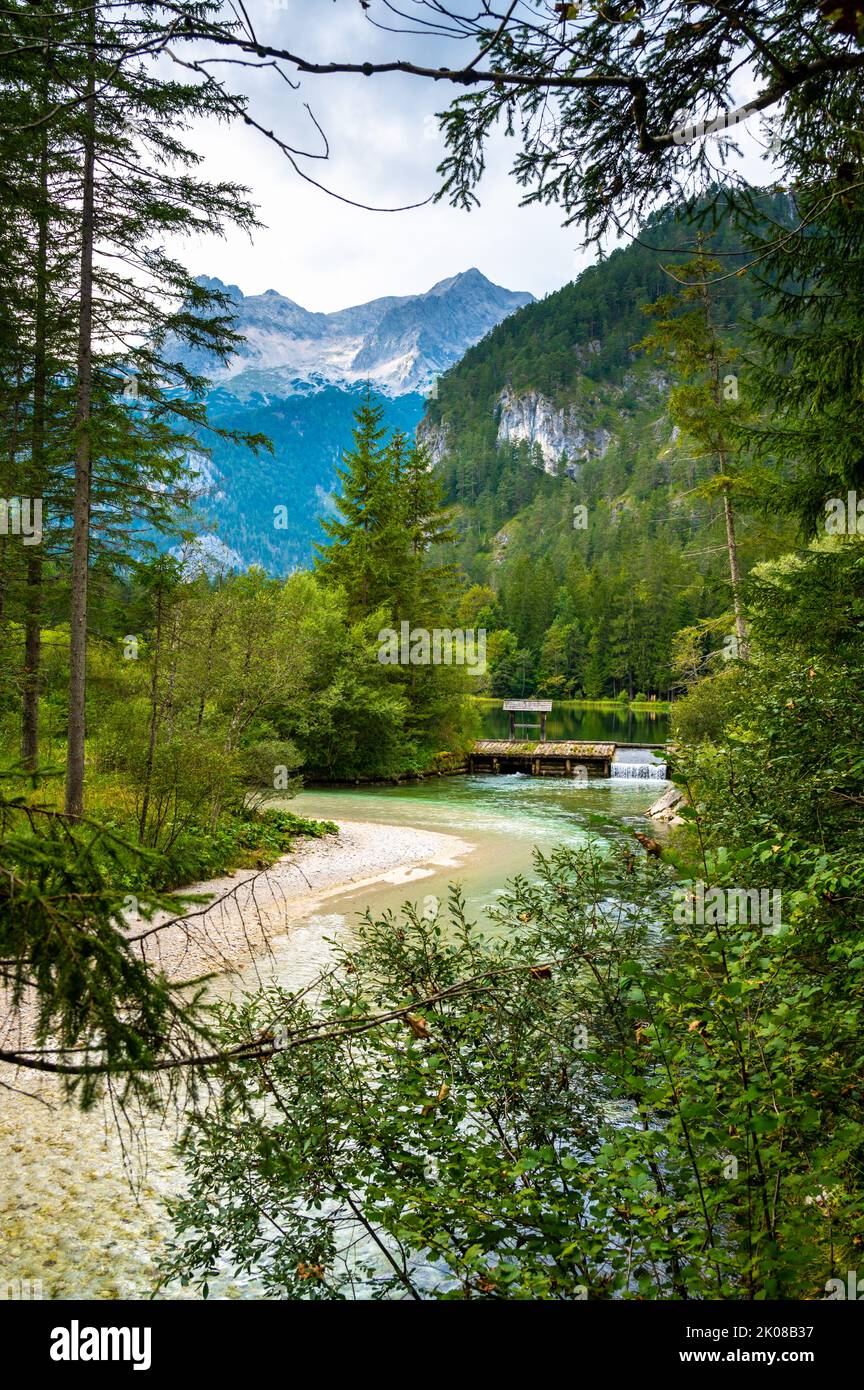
400,343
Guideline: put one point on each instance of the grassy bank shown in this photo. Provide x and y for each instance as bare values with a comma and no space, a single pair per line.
180,848
657,706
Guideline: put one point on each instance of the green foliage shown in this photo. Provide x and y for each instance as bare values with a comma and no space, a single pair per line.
595,607
384,566
574,342
106,1016
611,1095
705,711
650,84
306,433
553,1112
809,355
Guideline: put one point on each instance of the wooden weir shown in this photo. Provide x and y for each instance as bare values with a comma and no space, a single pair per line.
566,758
562,758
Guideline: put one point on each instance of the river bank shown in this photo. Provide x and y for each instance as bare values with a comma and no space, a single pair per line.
69,1219
247,908
81,1200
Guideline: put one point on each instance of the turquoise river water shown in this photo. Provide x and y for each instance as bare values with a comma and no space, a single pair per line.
70,1226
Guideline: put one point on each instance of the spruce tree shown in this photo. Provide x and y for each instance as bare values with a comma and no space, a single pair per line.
106,172
808,373
703,401
426,531
366,533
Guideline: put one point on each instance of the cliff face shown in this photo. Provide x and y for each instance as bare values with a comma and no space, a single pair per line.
435,439
558,431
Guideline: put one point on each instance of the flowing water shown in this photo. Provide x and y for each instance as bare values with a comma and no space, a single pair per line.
504,817
69,1225
640,763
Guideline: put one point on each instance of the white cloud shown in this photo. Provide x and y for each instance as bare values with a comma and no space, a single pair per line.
326,254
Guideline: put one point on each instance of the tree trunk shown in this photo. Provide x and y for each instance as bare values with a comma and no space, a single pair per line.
33,599
154,722
11,453
731,544
735,576
83,462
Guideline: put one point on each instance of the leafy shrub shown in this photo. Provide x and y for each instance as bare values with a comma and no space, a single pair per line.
704,713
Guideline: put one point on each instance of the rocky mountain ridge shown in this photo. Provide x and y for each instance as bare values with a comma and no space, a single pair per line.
401,343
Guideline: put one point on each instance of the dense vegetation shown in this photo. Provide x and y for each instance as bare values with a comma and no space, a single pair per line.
179,705
588,603
607,1096
618,1095
264,507
632,1088
610,1095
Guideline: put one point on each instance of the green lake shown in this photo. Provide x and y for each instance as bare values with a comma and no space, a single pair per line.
503,818
591,724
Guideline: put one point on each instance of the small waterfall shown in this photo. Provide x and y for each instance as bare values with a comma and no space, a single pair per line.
655,772
638,763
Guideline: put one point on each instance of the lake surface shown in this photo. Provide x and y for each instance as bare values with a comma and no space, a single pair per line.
566,721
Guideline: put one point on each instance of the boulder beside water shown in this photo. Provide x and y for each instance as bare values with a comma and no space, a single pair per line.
665,808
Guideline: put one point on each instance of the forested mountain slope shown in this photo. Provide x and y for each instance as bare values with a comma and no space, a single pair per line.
575,494
297,378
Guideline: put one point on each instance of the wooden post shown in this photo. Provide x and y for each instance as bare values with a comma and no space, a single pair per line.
512,726
542,728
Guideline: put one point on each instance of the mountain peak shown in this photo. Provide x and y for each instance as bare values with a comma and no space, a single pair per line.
400,343
212,282
472,275
464,279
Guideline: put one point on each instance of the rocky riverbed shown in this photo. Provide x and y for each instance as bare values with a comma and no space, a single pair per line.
81,1196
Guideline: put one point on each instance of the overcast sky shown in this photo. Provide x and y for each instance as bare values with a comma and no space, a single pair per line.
384,147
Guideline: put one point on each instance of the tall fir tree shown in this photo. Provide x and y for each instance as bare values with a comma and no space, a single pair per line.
703,402
367,540
97,168
808,373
